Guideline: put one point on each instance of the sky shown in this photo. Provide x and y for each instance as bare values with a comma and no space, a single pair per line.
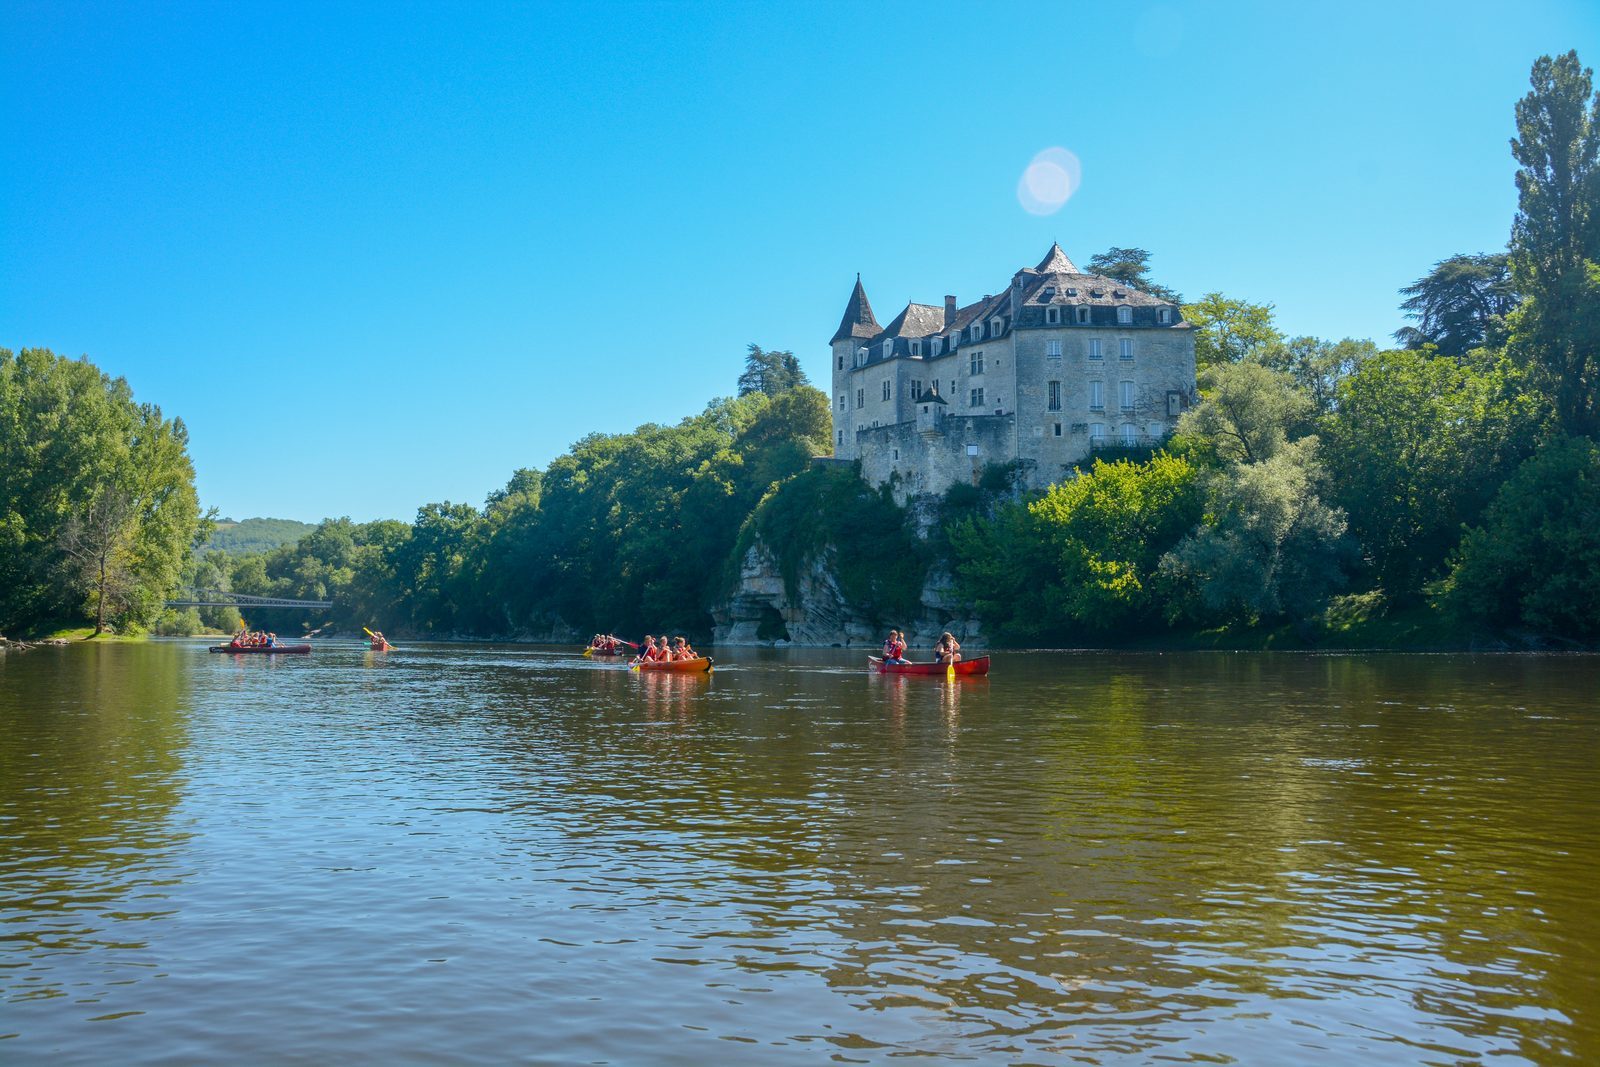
376,256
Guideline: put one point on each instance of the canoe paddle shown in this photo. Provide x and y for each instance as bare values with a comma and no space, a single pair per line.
374,636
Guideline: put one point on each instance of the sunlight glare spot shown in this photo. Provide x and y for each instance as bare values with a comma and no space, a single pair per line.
1049,181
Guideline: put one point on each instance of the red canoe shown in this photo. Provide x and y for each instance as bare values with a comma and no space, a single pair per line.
701,664
965,666
269,650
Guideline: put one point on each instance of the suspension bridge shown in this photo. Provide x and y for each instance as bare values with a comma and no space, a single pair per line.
217,598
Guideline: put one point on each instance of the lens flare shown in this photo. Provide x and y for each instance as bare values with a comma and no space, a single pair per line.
1049,181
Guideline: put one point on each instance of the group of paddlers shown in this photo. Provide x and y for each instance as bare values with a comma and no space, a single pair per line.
610,645
947,650
254,639
664,648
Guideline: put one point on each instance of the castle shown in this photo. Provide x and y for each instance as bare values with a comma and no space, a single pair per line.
1056,366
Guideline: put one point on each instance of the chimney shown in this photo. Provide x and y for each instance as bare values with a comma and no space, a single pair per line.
949,311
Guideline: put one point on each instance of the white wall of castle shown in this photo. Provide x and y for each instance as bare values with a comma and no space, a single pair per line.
1015,418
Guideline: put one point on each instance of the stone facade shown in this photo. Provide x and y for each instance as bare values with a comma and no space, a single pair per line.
1057,365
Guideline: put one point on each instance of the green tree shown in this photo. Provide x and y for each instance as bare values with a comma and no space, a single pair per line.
770,372
1460,304
1317,366
1268,548
1247,412
1085,556
1555,240
1132,267
1535,561
1417,447
1228,330
98,511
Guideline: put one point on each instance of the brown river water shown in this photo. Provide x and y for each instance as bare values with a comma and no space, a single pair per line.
495,854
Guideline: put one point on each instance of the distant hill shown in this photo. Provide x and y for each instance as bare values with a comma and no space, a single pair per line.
255,535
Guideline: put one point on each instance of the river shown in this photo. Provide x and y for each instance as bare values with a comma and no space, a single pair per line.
490,854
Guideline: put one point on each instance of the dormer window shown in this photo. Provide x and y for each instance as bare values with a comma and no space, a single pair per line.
996,324
1047,292
1083,316
861,357
916,348
1052,315
977,331
1097,292
1163,315
1124,315
1072,292
1119,293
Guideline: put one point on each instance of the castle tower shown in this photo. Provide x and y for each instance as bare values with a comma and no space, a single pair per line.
856,328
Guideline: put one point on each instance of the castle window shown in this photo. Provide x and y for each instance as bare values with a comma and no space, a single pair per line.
841,437
938,345
1163,315
1083,315
952,387
841,363
1052,349
1124,314
1097,432
861,357
841,401
1094,349
916,389
996,324
1127,396
1072,292
1052,315
888,349
1047,292
1119,293
886,389
1130,434
975,363
1125,349
1058,429
916,348
1055,397
977,331
1097,396
1174,403
861,398
975,400
897,453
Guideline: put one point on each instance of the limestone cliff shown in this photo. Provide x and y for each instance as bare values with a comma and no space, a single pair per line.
763,611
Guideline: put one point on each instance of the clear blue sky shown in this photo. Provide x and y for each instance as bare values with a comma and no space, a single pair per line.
382,256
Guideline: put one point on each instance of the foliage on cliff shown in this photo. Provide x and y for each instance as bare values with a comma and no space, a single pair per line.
830,514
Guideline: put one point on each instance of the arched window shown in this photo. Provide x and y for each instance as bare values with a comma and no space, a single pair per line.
1124,314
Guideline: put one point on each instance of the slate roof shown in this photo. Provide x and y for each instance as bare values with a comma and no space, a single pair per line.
917,320
1055,261
858,321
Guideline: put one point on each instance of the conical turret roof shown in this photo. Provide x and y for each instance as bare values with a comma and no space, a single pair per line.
859,321
1056,262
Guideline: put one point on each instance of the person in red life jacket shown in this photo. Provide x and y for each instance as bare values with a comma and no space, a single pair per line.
894,648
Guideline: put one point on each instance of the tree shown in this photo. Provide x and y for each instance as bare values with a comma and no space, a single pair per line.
1132,267
1555,240
1417,447
1085,556
98,541
84,472
1535,561
1268,547
770,372
1459,305
1228,330
1247,412
1317,366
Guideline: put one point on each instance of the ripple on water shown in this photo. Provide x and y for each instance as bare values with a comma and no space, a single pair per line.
470,854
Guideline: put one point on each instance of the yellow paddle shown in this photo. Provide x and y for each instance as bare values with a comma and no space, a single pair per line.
588,652
374,636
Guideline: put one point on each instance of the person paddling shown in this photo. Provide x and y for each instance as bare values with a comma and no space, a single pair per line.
644,648
948,650
894,648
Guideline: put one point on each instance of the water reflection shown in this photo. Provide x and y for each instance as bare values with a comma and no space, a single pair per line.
1263,858
91,771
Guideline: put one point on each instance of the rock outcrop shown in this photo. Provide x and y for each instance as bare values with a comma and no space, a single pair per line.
762,611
